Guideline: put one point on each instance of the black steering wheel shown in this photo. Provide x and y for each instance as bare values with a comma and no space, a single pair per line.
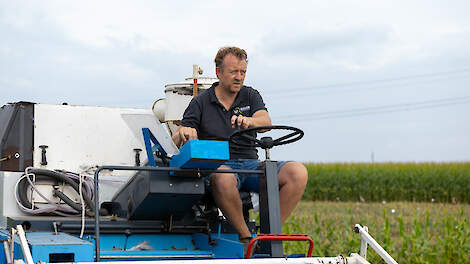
265,142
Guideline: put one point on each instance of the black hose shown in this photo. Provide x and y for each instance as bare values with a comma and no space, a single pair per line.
22,191
84,190
47,174
68,201
64,178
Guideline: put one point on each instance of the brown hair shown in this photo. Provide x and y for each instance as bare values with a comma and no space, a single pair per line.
237,52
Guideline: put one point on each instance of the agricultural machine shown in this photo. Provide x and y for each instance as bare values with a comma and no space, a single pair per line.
101,184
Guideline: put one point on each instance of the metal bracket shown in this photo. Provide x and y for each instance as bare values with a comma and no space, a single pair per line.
149,138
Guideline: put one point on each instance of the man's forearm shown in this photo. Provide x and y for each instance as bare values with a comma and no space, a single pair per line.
261,121
261,118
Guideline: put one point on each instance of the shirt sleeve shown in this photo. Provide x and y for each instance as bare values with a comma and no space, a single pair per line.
257,102
192,115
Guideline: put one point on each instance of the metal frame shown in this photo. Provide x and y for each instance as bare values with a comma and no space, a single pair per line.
354,258
24,244
134,168
280,238
367,239
149,138
269,209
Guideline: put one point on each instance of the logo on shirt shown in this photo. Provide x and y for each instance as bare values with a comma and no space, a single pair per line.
240,110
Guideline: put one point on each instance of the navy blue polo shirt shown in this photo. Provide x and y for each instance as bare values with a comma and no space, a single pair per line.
213,122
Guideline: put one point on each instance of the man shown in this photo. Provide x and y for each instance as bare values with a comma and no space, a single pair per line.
215,114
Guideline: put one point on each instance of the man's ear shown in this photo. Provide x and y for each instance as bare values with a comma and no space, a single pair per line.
217,72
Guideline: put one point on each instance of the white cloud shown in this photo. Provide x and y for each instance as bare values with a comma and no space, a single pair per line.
122,53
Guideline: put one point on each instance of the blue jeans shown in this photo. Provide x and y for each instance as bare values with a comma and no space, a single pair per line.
246,181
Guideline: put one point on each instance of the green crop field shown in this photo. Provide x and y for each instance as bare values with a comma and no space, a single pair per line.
376,182
410,232
419,212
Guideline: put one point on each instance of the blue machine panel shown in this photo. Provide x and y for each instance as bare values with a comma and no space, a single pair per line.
226,246
170,246
61,247
201,154
152,247
48,247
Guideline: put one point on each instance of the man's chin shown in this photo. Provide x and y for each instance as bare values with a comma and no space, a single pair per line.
235,89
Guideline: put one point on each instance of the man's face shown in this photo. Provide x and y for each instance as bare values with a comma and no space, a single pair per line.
232,73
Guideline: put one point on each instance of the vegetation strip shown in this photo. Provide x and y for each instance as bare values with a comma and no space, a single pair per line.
377,182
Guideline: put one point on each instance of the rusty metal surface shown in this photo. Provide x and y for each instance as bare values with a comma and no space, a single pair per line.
16,135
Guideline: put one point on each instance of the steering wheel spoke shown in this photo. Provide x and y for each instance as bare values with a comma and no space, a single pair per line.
288,136
250,138
265,142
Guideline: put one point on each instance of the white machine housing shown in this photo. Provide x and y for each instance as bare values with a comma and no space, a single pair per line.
78,139
177,97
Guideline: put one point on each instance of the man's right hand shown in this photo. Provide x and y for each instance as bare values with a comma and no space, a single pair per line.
183,135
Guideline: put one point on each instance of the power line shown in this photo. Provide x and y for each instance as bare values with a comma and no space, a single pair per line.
376,110
304,93
385,80
386,106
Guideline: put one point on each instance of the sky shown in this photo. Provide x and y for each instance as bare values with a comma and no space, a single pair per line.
369,80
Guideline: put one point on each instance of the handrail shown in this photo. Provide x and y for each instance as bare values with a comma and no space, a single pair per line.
282,237
24,244
371,241
135,168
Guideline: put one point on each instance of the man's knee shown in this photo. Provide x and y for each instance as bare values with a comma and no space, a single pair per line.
223,182
293,172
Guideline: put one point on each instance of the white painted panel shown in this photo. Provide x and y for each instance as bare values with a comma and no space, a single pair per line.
9,206
80,137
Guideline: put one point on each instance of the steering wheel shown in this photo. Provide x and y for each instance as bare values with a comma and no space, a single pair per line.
265,142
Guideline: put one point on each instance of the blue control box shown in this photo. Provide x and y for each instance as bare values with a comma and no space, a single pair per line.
201,154
60,247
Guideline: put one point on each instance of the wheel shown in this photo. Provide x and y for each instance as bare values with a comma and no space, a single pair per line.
265,142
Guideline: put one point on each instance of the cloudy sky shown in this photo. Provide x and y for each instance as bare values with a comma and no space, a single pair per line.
366,80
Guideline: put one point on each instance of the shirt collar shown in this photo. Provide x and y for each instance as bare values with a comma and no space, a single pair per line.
213,97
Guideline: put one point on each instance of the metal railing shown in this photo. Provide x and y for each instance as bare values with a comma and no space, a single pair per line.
198,172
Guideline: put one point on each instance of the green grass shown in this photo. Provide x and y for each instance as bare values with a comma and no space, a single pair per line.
375,182
410,232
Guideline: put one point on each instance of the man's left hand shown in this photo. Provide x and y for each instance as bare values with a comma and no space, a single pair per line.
242,122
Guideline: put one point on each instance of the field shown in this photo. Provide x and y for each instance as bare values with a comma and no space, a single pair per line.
376,182
411,232
419,212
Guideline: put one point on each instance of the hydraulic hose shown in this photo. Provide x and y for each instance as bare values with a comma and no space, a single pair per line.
64,178
41,174
68,201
